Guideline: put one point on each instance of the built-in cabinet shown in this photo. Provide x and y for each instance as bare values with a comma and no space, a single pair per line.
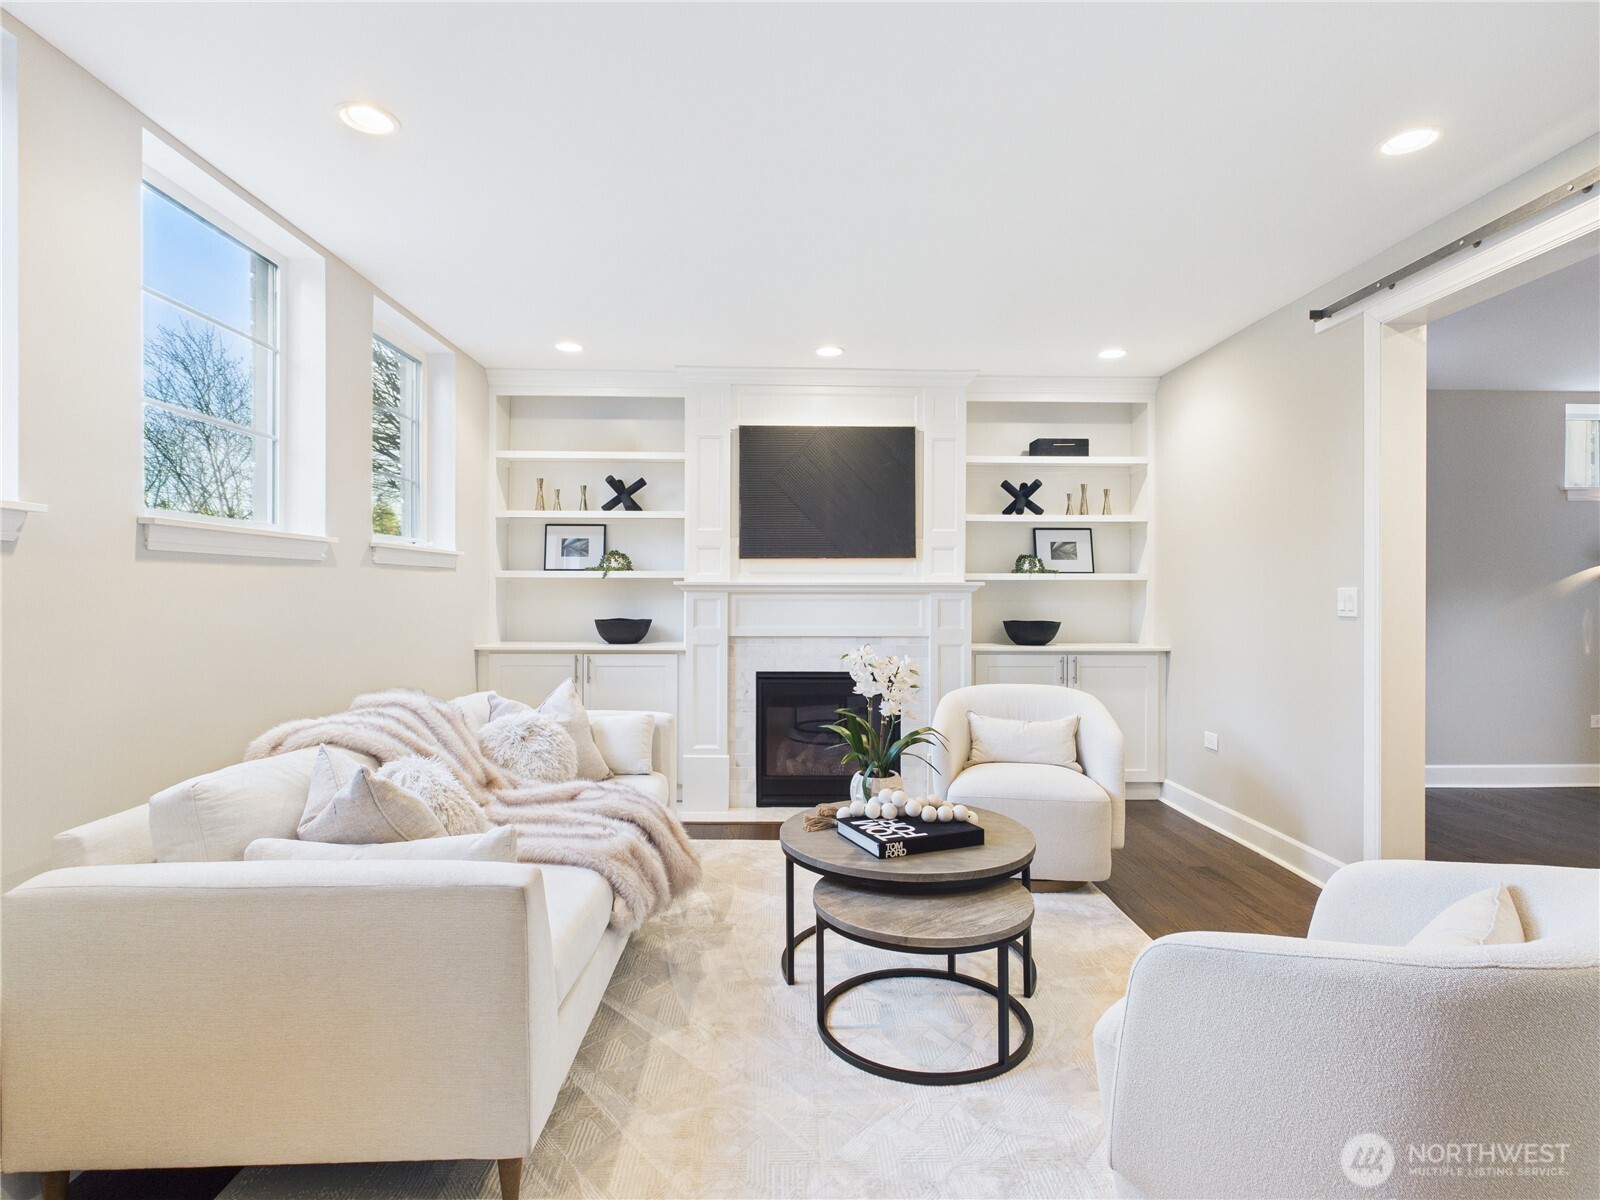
604,678
1131,684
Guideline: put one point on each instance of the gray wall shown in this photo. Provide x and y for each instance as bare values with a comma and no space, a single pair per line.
1513,585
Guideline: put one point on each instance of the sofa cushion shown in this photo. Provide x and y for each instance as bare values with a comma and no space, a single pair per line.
363,810
625,740
579,903
213,817
1048,743
1486,918
653,785
1024,781
564,706
498,845
475,708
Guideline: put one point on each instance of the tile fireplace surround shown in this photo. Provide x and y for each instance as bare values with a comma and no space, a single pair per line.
735,630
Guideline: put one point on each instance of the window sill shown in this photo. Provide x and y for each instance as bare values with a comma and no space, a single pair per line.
180,535
1582,493
386,553
13,513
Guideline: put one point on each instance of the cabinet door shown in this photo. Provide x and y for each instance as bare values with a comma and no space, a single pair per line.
527,677
635,682
1131,686
1018,668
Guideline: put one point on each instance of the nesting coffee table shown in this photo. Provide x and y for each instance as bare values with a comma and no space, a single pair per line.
1007,851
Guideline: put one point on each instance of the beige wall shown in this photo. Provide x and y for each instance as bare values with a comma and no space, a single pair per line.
1260,520
124,671
1513,585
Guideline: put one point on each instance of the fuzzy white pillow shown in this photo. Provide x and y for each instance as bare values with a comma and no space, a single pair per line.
434,783
533,747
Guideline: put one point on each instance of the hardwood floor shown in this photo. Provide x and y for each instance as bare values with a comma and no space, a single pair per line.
1558,827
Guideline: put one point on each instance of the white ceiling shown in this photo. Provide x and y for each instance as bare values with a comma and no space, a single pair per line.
1541,337
1001,187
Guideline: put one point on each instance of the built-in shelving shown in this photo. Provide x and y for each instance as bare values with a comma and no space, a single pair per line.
598,456
1050,519
590,576
1069,648
580,647
581,516
1056,460
1038,578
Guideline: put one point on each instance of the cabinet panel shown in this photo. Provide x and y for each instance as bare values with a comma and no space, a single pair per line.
1018,668
527,677
1131,687
635,682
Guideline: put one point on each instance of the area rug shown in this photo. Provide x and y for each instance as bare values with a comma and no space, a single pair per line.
702,1074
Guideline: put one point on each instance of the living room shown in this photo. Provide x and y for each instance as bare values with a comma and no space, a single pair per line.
582,437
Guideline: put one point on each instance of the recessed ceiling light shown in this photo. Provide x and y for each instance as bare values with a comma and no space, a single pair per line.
1113,352
368,118
829,351
569,347
1410,141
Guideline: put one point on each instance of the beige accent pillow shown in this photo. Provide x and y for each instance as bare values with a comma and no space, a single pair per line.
213,817
498,845
1486,918
531,747
626,741
564,707
1049,743
427,778
359,809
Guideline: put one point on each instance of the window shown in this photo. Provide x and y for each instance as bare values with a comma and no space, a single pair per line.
1583,447
397,392
211,370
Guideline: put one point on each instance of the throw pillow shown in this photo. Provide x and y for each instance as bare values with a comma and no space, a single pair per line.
438,788
504,706
1049,743
626,741
498,845
532,747
1486,918
563,705
364,810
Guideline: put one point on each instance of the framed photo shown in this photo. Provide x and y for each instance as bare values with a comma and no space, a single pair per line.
573,547
1070,551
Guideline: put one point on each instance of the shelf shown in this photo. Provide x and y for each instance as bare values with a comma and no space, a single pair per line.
637,456
1055,460
581,516
580,647
1069,648
1038,577
1000,519
592,576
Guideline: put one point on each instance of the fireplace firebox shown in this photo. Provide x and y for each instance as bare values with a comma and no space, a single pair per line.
797,760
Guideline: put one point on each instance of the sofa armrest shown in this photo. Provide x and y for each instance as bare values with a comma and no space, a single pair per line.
1245,1063
189,1014
123,837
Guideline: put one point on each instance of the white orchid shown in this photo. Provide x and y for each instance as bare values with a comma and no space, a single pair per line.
891,681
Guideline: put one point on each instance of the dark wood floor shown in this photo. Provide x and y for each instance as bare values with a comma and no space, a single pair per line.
1173,875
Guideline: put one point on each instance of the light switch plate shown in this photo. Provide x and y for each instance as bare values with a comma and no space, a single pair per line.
1211,740
1347,602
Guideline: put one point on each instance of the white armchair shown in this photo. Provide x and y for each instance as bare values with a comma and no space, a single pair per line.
1077,819
1242,1065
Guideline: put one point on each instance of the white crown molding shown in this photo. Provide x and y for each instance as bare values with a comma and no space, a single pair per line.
13,514
409,554
177,535
843,586
1515,775
830,376
1136,387
519,381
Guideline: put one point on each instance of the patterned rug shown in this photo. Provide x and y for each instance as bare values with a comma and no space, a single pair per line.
702,1074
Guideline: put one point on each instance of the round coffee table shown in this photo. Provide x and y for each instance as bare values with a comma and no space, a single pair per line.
1007,850
992,917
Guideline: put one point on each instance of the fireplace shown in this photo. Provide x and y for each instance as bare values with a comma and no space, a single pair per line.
797,760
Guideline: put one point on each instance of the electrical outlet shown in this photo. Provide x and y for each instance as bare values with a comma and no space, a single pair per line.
1211,740
1346,602
1594,721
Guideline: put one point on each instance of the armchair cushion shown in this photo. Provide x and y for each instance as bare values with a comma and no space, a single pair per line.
1024,781
1049,743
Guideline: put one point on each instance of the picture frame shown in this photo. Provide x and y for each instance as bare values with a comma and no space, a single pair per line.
573,547
1066,551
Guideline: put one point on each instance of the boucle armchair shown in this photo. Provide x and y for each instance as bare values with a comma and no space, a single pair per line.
1244,1065
1076,818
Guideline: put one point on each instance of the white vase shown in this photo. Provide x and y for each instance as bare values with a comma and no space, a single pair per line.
864,788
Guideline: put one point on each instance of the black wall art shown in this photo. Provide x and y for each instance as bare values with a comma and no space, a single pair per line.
824,492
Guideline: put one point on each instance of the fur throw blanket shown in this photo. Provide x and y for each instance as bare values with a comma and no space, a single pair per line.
634,844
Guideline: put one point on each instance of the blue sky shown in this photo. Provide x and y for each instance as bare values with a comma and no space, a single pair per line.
191,261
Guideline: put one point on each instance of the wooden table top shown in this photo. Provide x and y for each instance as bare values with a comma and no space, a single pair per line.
1007,847
948,921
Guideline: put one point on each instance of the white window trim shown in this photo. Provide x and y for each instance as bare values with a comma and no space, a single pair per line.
1577,412
13,511
436,548
420,353
301,525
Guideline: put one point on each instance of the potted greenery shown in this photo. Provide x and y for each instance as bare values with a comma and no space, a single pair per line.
889,684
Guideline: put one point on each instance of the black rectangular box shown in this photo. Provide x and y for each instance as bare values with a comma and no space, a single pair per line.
1059,447
898,838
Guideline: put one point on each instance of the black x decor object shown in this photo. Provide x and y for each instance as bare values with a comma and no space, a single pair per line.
1021,499
624,495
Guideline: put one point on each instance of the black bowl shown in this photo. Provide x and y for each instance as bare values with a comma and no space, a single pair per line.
625,631
1032,633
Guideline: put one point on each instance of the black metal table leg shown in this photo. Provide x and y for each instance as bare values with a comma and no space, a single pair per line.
1030,973
822,987
1003,995
950,963
788,925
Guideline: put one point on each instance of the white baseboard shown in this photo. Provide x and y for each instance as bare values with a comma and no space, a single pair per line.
1293,855
1515,775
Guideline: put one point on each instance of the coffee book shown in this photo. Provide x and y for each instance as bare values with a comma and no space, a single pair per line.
895,839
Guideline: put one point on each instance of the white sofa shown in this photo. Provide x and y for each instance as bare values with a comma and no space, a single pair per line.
1242,1065
1078,819
178,1014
